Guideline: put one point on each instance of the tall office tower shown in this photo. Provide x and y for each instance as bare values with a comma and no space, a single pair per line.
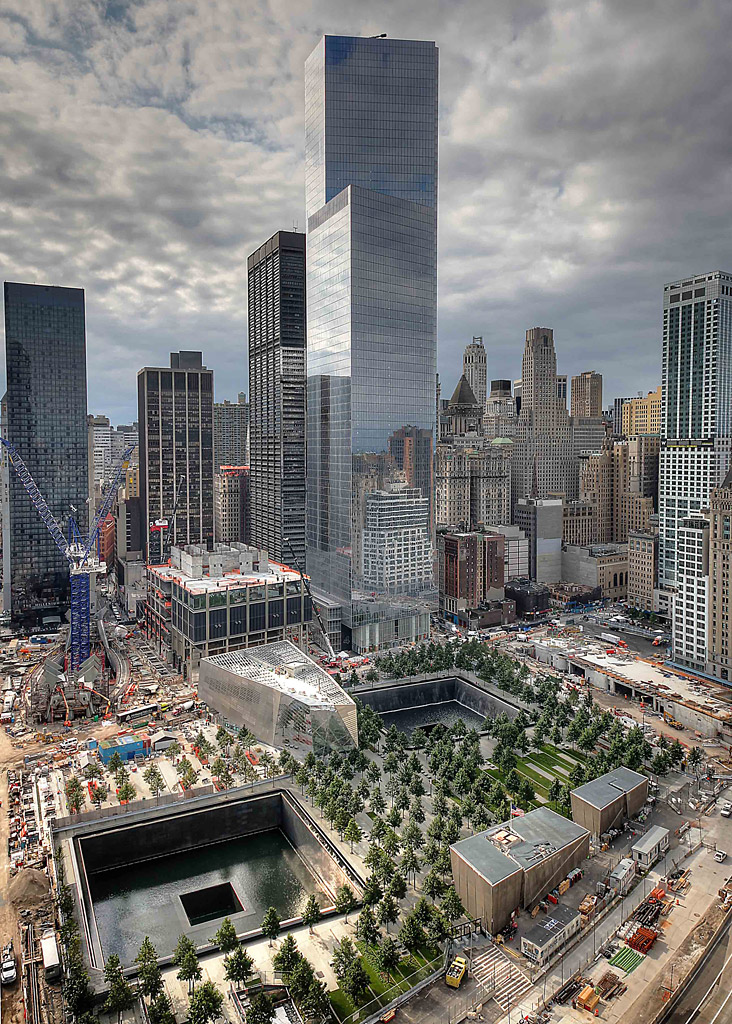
175,414
719,651
643,415
231,432
45,418
474,369
562,388
696,430
587,394
543,460
371,203
500,418
277,397
691,600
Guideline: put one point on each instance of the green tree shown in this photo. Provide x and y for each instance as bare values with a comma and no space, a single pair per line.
149,975
695,758
115,763
372,891
261,1009
387,957
173,749
77,991
311,912
344,954
352,833
271,924
160,1011
345,900
93,771
154,779
185,959
410,864
126,792
366,928
74,795
355,982
387,911
555,791
451,905
120,997
206,1004
433,886
286,957
411,934
225,938
238,965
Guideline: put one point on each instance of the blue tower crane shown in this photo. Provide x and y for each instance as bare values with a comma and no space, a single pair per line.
78,551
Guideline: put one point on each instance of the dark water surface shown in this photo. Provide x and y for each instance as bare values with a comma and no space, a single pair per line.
144,899
424,715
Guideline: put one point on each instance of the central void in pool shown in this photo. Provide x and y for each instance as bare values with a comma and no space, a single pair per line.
427,716
247,876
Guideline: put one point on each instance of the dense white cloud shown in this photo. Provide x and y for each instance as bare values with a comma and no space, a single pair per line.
147,147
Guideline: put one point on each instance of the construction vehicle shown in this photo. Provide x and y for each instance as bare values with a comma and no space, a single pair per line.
456,972
162,526
670,720
78,551
316,613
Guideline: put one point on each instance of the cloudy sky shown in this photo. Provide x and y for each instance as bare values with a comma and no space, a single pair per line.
585,159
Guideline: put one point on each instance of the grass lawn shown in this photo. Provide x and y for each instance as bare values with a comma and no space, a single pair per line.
380,990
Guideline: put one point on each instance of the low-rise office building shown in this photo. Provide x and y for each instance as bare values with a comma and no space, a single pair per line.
607,802
550,934
209,602
515,864
280,695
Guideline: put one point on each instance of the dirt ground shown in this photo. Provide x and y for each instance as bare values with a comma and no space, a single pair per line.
12,995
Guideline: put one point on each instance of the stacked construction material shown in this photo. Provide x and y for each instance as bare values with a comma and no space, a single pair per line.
626,959
642,939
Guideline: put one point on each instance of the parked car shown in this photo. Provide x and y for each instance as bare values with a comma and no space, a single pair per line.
720,856
8,970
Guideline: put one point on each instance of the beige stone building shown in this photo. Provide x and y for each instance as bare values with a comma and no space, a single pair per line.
473,483
597,565
586,397
642,568
621,480
579,522
720,572
643,415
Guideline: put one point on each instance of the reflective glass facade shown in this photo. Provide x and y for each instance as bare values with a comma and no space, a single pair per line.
45,418
371,193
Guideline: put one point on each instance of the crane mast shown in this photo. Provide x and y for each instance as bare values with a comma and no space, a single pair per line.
78,551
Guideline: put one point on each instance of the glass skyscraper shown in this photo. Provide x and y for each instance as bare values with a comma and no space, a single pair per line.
44,416
371,203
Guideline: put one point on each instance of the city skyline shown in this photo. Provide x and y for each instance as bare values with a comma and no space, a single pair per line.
584,258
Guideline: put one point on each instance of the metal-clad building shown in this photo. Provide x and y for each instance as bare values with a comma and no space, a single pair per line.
282,696
606,802
515,864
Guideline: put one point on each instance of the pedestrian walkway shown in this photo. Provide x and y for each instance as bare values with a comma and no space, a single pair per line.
492,968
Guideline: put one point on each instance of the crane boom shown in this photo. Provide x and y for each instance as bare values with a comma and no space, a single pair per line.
39,502
107,503
306,581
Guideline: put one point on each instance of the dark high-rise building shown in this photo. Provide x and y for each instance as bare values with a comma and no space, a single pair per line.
371,202
45,418
175,413
277,397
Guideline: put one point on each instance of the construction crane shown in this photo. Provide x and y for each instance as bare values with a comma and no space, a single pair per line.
306,581
165,526
78,551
